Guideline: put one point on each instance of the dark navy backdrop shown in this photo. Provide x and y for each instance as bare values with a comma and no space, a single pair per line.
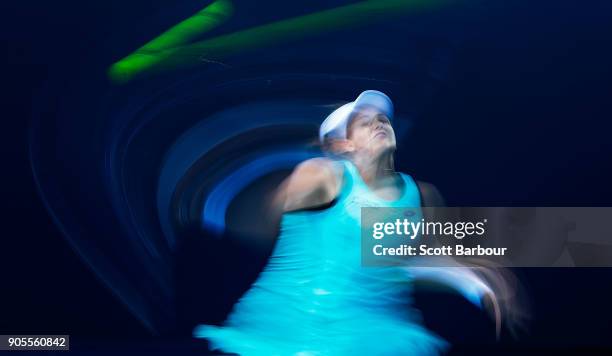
511,106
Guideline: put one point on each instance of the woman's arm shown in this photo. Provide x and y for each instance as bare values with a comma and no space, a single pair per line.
313,183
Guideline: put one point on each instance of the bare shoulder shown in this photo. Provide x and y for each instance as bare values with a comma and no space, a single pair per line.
430,195
316,167
312,183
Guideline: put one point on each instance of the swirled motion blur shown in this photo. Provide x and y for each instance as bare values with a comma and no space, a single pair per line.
127,170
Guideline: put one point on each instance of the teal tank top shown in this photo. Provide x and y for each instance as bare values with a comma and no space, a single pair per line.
314,297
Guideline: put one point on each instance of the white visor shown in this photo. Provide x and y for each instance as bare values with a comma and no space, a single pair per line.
336,123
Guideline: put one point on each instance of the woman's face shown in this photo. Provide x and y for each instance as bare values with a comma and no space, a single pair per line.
370,131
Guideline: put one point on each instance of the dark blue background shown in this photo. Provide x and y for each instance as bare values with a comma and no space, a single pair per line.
519,116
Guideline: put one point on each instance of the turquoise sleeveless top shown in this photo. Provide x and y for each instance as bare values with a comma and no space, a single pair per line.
315,298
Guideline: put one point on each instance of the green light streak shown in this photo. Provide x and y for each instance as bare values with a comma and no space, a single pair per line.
182,33
214,49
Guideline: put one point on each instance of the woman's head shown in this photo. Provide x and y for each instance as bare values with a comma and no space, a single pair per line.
360,127
370,131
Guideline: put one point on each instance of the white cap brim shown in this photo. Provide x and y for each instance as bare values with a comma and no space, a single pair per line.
336,123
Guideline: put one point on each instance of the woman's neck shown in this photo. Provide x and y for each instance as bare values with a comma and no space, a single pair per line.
375,169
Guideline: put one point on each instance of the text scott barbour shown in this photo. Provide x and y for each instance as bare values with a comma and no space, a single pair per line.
408,229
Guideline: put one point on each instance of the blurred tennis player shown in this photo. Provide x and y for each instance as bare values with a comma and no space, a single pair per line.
314,297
